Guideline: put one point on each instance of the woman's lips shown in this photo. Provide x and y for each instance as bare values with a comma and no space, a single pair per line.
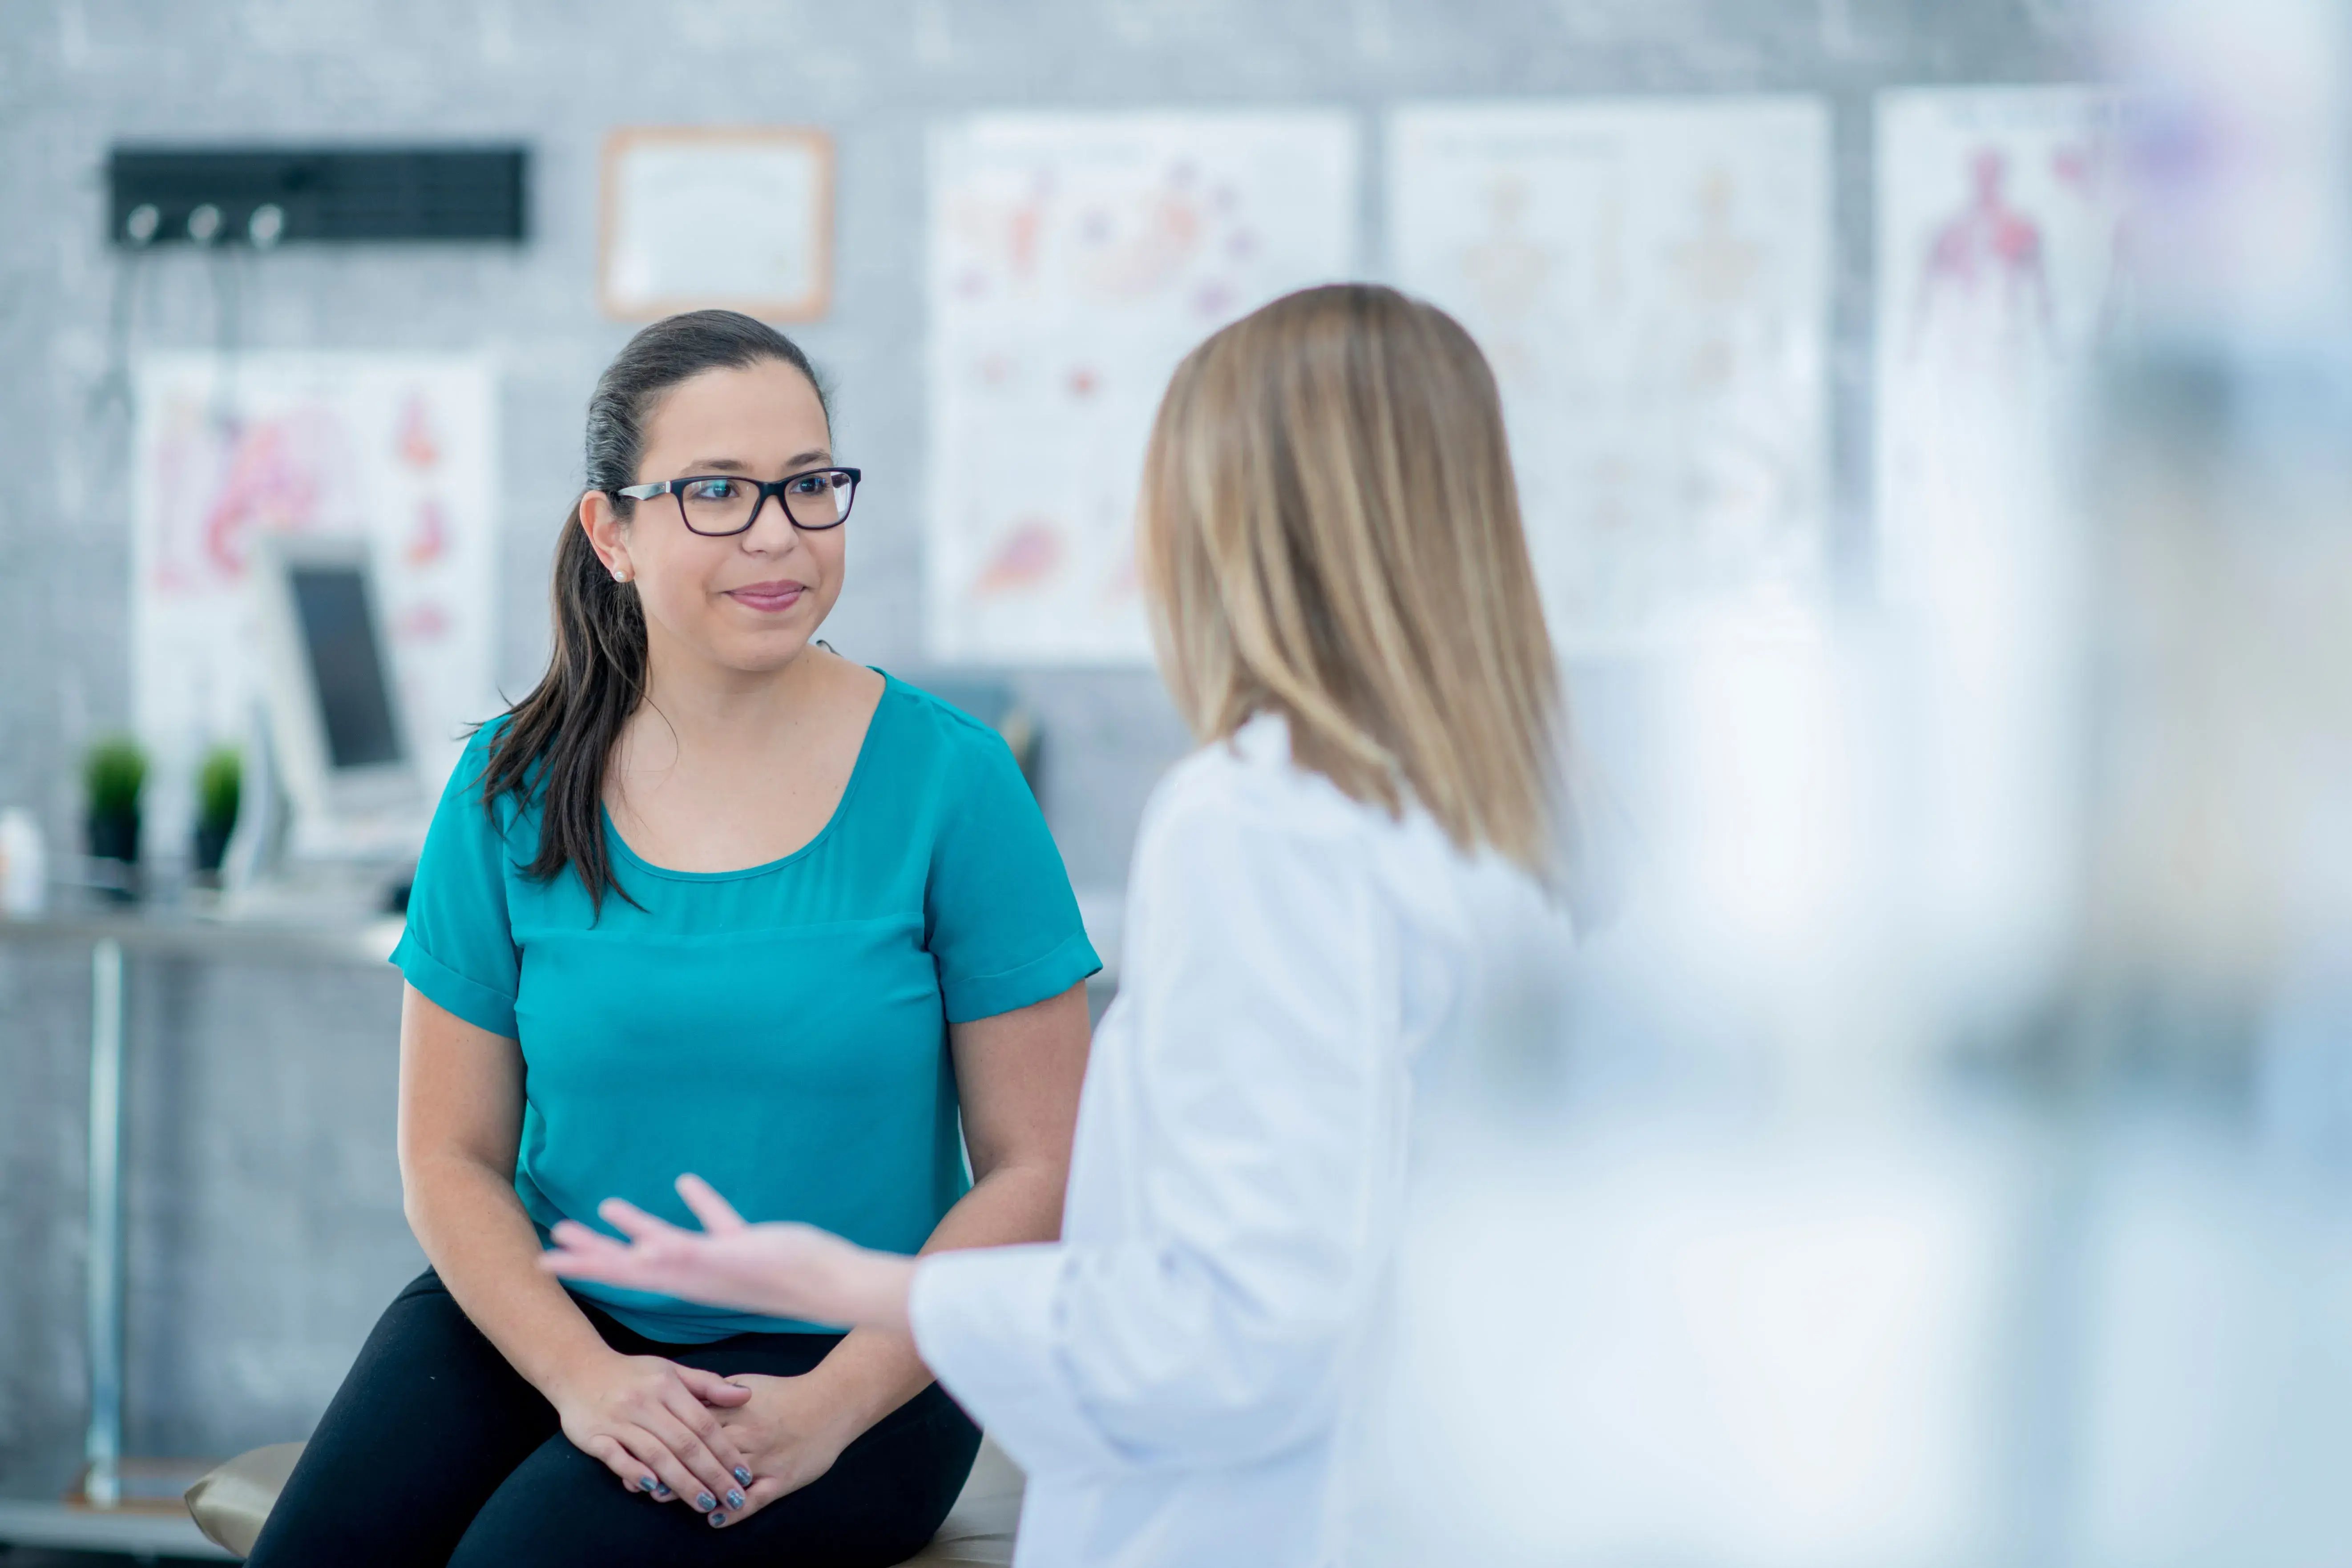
769,597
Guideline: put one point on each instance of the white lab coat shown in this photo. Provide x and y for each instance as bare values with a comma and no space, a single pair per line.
1176,1374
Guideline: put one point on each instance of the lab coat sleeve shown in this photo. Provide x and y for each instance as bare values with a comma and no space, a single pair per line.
1265,1049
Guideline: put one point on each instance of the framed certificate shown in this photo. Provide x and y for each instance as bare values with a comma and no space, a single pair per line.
696,218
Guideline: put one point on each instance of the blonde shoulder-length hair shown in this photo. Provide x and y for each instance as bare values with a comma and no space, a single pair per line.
1330,530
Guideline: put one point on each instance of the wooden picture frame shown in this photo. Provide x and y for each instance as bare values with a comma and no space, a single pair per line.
769,189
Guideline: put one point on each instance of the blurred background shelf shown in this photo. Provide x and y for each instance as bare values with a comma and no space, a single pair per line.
136,1533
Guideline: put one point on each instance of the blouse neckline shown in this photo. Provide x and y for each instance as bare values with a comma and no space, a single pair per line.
840,810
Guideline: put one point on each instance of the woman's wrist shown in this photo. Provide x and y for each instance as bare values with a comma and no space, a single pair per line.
849,1403
866,1376
557,1375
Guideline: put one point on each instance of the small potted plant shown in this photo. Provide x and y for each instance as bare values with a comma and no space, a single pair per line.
113,772
218,782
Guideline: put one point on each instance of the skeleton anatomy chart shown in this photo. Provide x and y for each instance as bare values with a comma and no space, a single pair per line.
2000,245
397,449
1650,283
1075,260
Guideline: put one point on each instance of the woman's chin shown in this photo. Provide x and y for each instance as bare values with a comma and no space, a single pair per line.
738,652
767,653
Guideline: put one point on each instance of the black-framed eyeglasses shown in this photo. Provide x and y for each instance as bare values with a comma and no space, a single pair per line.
716,505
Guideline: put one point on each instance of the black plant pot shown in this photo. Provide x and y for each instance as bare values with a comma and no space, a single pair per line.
212,844
114,836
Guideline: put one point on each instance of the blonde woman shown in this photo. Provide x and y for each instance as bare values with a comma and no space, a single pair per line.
1345,614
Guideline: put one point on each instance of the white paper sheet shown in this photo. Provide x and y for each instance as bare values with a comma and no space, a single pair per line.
398,448
1650,281
1075,260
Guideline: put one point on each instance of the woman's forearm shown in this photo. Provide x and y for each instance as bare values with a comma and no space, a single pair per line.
873,1371
480,1241
1012,1204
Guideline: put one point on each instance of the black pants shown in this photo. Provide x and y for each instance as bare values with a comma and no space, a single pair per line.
435,1451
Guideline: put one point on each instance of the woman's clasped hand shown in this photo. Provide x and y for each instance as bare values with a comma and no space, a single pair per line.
788,1433
658,1426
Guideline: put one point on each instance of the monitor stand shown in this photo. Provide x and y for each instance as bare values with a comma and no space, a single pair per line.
283,865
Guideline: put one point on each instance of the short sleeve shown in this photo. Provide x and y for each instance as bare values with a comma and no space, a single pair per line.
458,948
1000,918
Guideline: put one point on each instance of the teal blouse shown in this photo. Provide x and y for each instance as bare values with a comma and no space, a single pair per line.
782,1030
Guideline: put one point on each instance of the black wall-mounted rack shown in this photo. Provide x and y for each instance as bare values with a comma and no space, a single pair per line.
265,196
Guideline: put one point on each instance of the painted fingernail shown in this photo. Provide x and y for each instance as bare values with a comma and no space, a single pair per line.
734,1499
705,1502
664,1491
647,1484
716,1519
742,1478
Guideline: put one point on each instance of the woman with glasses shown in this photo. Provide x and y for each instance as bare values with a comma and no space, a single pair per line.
709,896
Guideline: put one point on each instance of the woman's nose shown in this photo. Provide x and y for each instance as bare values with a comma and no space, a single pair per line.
772,533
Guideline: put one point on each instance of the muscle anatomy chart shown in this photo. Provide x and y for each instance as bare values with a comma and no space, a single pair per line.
1650,283
2002,268
1075,260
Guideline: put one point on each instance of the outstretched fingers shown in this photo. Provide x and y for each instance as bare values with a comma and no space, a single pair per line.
716,1213
582,1254
730,1262
635,1223
653,1249
575,1237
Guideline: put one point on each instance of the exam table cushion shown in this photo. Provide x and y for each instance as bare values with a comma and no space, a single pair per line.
230,1503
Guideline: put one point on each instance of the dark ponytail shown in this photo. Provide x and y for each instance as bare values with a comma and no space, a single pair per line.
559,739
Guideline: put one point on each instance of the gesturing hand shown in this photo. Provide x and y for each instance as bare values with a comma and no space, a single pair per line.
782,1270
658,1426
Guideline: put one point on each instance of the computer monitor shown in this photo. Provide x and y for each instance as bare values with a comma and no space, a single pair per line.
336,733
